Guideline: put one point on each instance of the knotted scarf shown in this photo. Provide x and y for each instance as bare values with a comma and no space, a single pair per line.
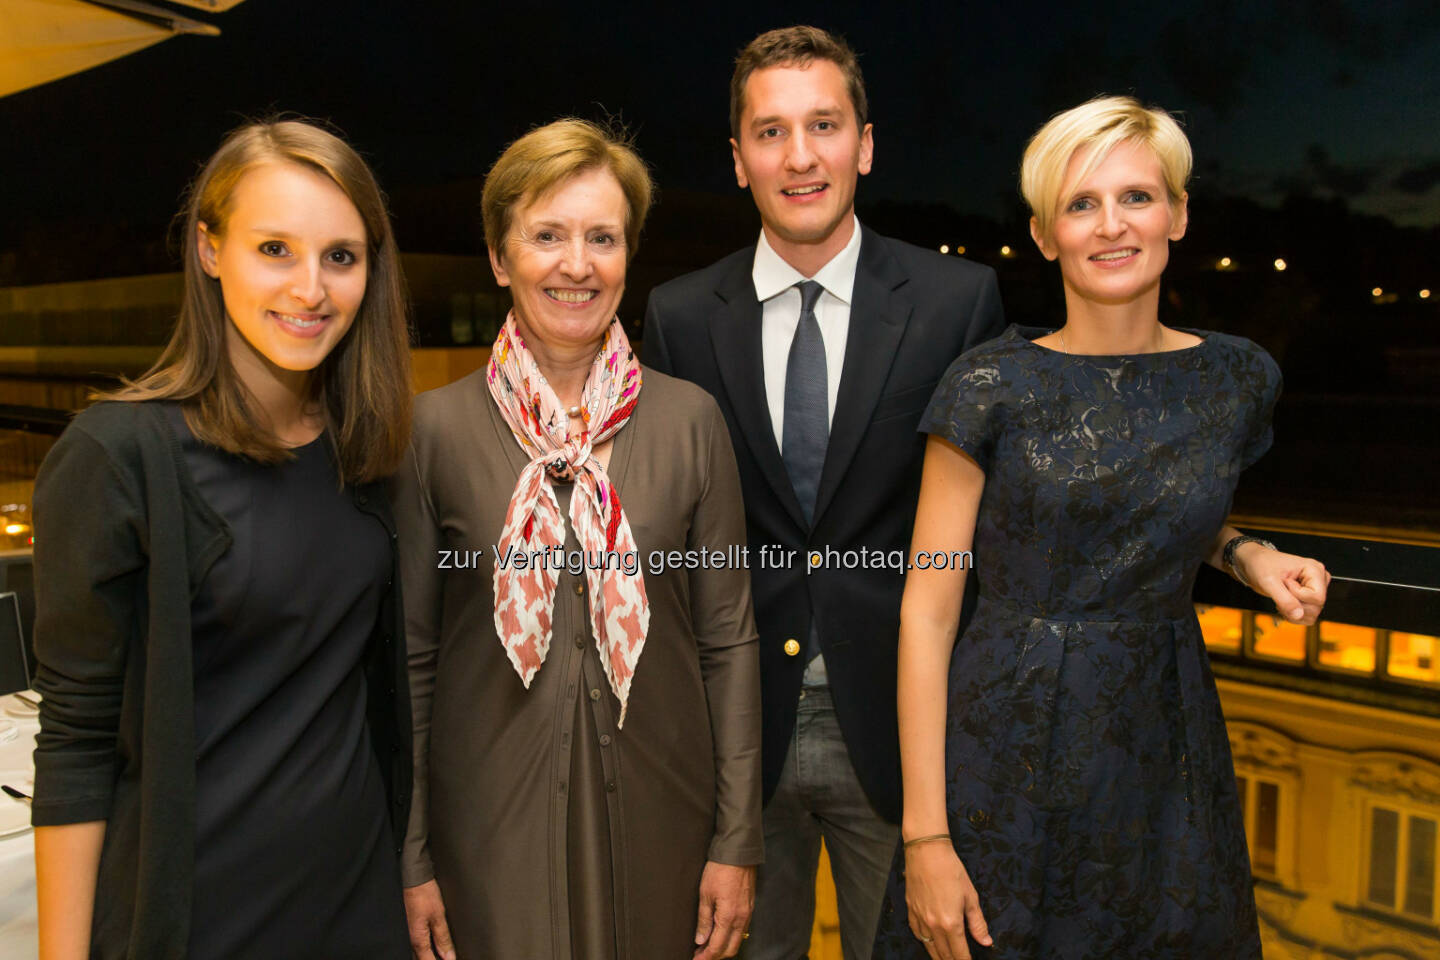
525,597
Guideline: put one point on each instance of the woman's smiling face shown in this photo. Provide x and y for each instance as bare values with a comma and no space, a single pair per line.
564,260
1112,235
291,264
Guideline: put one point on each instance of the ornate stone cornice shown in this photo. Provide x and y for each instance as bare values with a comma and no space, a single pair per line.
1256,746
1397,774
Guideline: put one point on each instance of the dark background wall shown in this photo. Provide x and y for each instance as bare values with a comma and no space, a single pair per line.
1316,127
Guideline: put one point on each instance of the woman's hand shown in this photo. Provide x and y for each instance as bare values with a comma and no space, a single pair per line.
938,891
1296,584
942,901
727,895
425,913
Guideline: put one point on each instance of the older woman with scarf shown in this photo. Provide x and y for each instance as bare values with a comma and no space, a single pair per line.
586,709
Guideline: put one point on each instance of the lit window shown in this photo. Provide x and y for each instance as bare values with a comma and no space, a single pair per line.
1260,803
1420,872
1347,647
1267,814
1412,657
1276,637
1384,851
1401,864
1221,626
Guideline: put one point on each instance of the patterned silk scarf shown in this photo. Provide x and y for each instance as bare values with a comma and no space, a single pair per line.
525,598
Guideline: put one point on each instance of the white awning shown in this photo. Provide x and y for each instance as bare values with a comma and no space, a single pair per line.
44,40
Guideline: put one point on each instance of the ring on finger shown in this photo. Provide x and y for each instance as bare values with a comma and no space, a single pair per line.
927,939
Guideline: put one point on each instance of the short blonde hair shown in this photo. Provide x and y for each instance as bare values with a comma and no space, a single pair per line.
547,157
1101,124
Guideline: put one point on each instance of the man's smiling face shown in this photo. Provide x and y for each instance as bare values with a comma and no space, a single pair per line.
801,151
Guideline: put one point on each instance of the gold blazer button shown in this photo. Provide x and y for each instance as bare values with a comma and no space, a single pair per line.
792,647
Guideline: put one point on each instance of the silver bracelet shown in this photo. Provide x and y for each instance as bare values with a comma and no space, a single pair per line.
1228,555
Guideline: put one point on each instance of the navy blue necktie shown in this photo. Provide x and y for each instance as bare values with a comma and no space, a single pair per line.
806,429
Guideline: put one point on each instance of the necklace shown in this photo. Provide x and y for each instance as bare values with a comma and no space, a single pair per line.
573,412
1061,334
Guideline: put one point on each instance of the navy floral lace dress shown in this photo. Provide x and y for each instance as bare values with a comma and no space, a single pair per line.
1088,776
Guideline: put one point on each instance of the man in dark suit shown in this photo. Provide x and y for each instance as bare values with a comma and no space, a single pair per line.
822,344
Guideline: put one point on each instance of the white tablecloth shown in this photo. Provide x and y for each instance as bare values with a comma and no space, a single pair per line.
18,936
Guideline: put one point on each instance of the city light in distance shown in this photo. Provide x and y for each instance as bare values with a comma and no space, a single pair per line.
1377,292
960,251
1280,265
1005,251
944,248
1225,263
1424,294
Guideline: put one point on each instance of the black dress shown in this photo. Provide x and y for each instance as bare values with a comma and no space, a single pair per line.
1089,785
293,853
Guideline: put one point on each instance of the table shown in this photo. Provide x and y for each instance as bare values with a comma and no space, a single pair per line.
18,929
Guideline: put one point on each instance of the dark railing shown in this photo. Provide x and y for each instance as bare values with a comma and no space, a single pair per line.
1391,588
26,435
1385,587
40,420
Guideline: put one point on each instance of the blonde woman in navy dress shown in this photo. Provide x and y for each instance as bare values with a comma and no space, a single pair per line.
1073,795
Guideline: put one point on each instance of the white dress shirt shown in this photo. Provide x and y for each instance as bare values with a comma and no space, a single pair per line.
780,301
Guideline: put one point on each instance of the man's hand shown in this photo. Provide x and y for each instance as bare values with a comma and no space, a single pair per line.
727,895
425,914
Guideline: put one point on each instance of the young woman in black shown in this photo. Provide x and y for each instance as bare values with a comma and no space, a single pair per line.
223,767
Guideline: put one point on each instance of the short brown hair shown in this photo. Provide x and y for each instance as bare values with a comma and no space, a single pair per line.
547,157
362,386
796,46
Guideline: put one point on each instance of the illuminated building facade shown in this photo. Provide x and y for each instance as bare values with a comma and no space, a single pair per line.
1335,732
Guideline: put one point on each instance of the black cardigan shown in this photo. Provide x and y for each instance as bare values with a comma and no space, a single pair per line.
123,539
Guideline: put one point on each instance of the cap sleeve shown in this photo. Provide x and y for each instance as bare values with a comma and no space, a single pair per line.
963,409
1263,389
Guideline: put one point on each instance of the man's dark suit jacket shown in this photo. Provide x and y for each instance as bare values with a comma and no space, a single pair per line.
912,312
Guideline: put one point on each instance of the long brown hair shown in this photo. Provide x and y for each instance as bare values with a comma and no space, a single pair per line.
363,386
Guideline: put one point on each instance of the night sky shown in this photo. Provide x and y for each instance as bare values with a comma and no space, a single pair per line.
1316,127
1318,97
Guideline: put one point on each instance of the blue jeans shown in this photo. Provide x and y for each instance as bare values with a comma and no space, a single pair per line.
819,796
